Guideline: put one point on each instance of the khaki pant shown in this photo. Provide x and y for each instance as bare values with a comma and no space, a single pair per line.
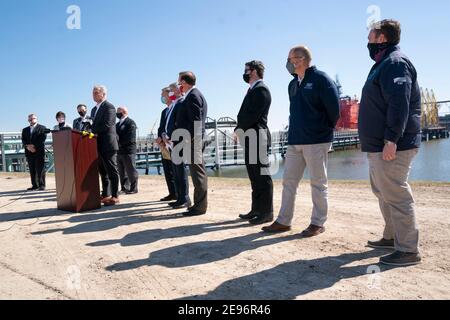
298,158
389,182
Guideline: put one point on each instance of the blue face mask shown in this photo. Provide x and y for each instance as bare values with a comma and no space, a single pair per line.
164,100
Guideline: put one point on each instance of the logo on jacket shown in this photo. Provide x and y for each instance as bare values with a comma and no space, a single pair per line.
309,86
401,81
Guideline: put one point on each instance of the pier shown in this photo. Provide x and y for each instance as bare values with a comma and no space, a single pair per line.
221,149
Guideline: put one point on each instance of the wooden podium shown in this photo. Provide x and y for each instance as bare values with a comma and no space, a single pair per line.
76,171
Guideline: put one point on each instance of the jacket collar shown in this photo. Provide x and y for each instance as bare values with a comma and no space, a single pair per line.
388,52
308,72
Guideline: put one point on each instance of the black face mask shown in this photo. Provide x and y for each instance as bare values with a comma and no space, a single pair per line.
246,78
82,114
119,115
376,48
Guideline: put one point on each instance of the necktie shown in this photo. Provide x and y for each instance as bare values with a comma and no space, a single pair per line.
94,113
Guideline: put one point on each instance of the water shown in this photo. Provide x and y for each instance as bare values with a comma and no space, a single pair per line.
431,164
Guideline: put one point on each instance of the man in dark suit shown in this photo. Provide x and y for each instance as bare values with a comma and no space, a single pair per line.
252,123
84,122
166,161
191,117
179,167
33,140
104,126
126,131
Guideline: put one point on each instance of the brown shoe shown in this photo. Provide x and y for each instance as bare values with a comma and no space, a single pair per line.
105,199
312,231
276,228
112,202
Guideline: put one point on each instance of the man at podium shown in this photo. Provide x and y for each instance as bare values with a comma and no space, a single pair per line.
104,126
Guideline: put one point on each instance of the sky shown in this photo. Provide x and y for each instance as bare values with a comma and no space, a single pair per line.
137,47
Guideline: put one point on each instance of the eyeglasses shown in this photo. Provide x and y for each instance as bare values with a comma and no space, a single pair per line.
290,59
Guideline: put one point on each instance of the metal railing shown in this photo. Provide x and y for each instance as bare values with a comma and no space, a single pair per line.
221,150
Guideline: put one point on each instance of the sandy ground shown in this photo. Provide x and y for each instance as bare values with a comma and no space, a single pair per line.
142,250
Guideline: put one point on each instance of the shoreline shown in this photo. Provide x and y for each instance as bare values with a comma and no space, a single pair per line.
418,183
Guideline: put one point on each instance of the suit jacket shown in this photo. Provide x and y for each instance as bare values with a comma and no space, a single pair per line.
254,112
193,108
171,121
37,139
162,122
57,128
127,136
104,127
79,125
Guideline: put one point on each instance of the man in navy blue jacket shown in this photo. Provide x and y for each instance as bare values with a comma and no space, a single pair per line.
314,112
389,128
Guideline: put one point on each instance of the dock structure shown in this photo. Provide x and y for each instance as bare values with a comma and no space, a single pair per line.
445,121
221,148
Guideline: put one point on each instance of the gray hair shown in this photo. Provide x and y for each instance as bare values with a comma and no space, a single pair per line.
304,51
102,88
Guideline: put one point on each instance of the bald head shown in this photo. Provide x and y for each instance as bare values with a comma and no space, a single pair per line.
300,57
302,52
123,110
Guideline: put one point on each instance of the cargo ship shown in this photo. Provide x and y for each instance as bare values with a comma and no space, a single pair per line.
349,110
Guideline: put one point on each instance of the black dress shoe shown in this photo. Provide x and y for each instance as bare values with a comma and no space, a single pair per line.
41,189
382,244
193,213
262,219
248,216
181,205
169,198
401,259
132,192
32,189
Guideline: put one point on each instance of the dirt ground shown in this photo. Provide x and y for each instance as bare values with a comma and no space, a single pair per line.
142,250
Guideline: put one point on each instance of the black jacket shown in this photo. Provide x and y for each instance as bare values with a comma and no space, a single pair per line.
82,125
171,121
162,122
105,127
38,139
127,136
193,108
314,109
390,106
254,113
